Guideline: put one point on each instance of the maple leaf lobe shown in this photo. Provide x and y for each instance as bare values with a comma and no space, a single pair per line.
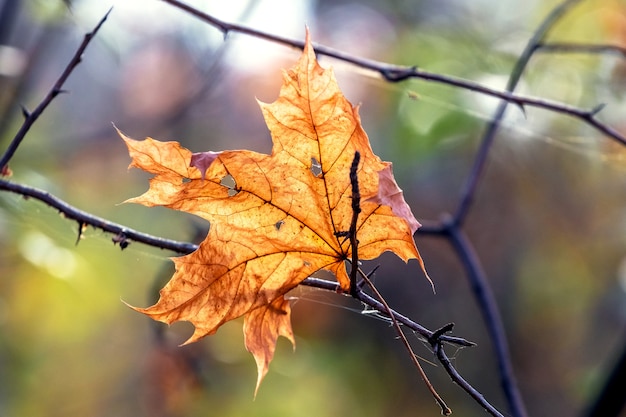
286,218
261,328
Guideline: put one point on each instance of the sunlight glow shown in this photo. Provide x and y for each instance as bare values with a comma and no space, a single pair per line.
41,251
132,21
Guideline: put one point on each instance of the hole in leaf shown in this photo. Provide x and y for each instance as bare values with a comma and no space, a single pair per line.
186,180
279,224
316,167
229,182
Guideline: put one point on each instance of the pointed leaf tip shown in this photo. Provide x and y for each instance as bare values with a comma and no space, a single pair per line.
261,328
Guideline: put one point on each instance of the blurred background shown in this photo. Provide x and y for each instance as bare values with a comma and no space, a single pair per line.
549,223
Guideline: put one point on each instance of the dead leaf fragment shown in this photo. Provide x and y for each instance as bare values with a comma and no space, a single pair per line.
203,160
390,194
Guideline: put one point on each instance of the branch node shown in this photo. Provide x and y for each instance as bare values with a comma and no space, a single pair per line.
435,338
121,239
398,74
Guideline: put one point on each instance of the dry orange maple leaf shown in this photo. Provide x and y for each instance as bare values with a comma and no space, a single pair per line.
285,218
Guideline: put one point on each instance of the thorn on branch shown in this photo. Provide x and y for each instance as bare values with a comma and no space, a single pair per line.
101,22
597,109
25,112
58,91
399,74
81,228
121,239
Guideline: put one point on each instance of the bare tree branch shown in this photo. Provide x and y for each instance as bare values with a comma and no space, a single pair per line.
490,133
580,48
491,316
379,307
355,291
450,228
457,378
397,73
480,286
57,88
445,410
87,219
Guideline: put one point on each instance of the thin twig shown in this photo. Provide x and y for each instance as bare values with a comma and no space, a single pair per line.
476,276
493,321
445,410
355,291
397,73
57,88
356,210
84,218
580,48
378,306
469,190
459,380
